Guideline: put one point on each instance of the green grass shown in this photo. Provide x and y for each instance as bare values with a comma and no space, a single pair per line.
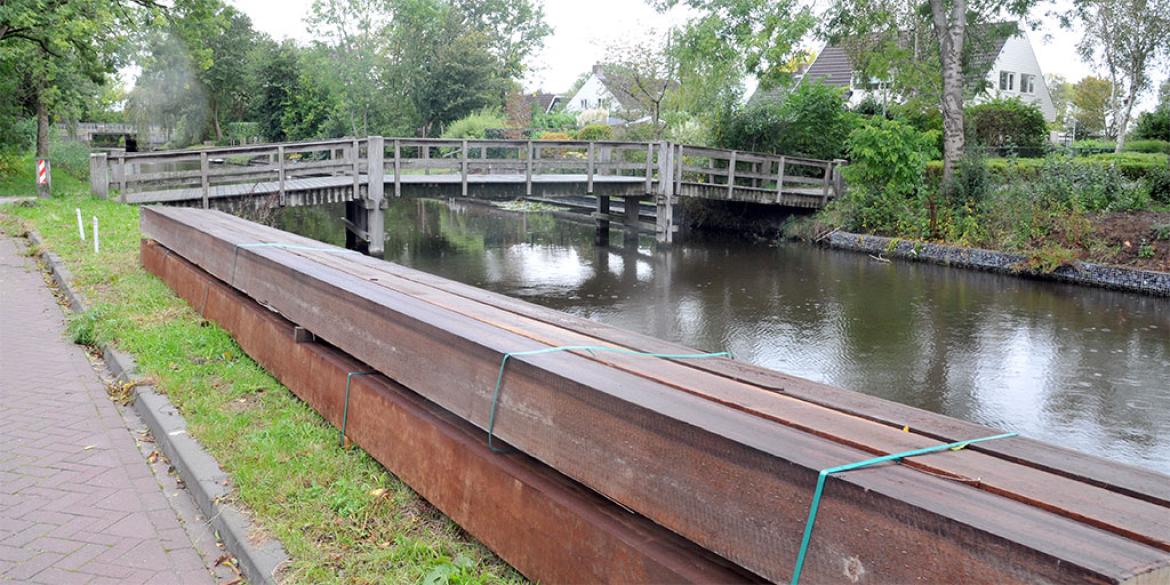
287,469
18,178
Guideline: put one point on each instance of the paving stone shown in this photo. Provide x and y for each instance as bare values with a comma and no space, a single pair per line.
79,504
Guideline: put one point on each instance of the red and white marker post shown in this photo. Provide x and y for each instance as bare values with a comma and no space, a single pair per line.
44,178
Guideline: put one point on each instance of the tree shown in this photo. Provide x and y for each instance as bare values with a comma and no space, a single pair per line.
1091,101
57,48
1126,37
1061,92
946,27
641,71
726,40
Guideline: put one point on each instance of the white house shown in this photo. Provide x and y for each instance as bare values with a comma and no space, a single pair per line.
1005,67
611,96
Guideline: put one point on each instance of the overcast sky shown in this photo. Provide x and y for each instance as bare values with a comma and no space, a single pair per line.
581,30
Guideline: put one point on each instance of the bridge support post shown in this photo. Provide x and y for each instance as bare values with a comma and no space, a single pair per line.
99,175
375,194
664,198
601,238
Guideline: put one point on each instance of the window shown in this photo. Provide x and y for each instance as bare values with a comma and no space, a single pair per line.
585,103
1027,83
861,81
1007,81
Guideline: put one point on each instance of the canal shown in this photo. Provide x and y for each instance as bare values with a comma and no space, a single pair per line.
1084,368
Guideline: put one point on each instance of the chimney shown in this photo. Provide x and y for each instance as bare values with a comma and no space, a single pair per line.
597,68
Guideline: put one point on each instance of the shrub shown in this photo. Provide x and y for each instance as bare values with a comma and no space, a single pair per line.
70,156
595,132
690,131
558,120
474,125
1153,125
1093,146
811,121
886,177
553,136
1158,184
1007,124
1154,146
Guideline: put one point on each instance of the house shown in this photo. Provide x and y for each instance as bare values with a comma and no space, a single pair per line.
1004,65
540,101
618,96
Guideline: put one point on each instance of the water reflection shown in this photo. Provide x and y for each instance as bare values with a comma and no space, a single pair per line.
1080,367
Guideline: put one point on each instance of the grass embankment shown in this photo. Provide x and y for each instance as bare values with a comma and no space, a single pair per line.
18,178
341,516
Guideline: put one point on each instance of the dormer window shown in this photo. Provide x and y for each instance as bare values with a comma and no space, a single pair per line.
1007,81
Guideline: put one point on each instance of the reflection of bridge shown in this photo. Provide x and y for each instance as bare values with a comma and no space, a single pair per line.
87,131
358,172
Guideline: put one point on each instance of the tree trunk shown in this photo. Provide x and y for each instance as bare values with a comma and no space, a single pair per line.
950,31
42,126
1123,124
215,121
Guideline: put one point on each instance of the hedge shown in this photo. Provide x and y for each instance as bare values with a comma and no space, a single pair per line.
1133,165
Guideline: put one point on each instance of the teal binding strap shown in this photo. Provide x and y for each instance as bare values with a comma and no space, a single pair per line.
589,348
825,473
345,409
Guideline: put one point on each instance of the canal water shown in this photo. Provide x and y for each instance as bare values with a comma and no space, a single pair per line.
1080,367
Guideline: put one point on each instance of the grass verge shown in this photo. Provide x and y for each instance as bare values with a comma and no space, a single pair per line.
18,178
340,515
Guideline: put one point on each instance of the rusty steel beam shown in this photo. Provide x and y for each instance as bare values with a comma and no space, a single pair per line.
734,482
532,516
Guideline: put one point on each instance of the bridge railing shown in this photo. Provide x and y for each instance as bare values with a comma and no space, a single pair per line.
665,168
766,174
160,176
512,159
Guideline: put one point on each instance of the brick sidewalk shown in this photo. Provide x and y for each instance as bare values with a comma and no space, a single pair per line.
78,501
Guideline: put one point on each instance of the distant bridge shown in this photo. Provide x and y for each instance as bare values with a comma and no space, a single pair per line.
360,172
87,131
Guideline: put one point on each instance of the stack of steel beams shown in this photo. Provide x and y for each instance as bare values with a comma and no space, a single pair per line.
723,454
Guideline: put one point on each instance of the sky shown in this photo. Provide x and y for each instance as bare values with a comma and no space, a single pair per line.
582,30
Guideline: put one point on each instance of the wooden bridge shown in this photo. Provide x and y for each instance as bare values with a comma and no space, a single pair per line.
87,132
360,173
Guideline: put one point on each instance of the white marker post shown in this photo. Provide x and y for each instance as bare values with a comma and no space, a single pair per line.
96,246
80,225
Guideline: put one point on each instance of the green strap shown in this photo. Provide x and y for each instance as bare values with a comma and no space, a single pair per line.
825,473
588,348
345,409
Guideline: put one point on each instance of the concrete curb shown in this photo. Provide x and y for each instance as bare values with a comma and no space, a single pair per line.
204,478
1084,273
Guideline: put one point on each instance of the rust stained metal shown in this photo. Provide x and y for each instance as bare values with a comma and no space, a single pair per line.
547,526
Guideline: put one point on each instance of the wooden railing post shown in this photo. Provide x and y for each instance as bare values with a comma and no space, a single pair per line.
528,171
463,167
280,175
375,194
838,178
649,168
731,176
121,176
204,179
589,169
355,149
680,163
780,180
397,168
828,180
99,175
